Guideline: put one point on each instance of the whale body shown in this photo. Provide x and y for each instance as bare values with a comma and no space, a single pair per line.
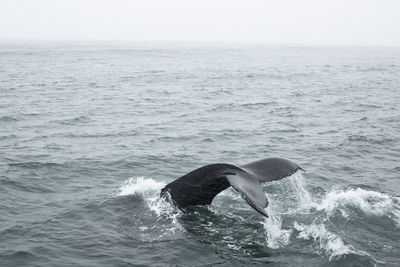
199,187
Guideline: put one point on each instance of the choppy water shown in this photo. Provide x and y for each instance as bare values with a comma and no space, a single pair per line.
89,134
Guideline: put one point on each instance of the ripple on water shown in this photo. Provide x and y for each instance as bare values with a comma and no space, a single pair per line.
77,120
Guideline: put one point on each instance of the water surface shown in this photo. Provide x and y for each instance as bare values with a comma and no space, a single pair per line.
89,134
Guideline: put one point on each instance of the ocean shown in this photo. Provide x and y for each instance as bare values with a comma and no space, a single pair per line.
91,132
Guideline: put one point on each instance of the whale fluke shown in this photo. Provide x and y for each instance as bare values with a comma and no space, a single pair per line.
271,169
250,189
200,186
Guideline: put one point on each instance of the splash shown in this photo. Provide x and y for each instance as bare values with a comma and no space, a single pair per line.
276,236
369,202
290,198
140,185
326,242
303,196
149,190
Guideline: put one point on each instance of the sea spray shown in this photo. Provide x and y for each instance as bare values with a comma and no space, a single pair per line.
325,242
276,236
140,185
303,196
149,189
369,202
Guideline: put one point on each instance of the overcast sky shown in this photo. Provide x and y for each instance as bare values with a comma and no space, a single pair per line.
326,22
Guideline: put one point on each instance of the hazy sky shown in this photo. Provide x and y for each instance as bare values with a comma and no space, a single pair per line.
343,22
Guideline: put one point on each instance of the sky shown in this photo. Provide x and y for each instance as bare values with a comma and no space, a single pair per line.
308,22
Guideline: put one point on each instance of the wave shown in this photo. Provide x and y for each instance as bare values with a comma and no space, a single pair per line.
8,119
73,121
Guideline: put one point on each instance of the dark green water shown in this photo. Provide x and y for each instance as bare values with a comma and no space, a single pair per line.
89,134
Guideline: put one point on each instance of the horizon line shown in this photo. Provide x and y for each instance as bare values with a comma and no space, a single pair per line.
188,42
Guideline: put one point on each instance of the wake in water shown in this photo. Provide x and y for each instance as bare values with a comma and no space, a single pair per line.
296,215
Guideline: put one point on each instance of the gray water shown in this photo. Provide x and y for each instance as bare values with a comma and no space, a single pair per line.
89,134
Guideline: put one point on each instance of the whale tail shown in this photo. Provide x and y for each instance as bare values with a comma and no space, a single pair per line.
200,186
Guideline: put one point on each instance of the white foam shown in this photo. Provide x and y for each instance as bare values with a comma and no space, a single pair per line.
149,189
140,185
327,242
276,236
369,202
302,202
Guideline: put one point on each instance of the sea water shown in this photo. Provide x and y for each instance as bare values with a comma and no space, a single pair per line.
90,133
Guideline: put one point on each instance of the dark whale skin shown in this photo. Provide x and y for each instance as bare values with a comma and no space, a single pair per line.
199,187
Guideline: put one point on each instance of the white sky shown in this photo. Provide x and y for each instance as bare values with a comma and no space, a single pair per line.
326,22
